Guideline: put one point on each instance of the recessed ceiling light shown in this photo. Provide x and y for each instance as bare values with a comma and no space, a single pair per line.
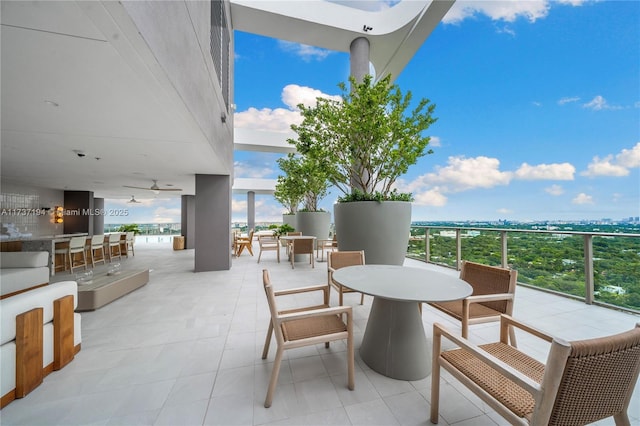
52,103
168,184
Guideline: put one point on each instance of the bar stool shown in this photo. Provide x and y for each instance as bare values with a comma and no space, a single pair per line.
77,245
97,243
114,244
130,240
63,249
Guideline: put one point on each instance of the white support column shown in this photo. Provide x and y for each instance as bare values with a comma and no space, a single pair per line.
359,63
359,58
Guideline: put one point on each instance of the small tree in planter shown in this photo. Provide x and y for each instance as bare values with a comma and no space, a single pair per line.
364,143
289,190
311,180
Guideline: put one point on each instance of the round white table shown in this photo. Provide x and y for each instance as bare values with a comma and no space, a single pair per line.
394,343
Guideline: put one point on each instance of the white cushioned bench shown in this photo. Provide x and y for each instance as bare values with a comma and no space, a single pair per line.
32,344
22,270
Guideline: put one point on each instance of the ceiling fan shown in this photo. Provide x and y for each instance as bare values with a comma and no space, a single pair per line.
154,188
133,200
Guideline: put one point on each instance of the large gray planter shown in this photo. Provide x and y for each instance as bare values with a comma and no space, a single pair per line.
381,229
289,219
313,224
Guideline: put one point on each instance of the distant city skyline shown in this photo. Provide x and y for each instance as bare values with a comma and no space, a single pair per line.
538,107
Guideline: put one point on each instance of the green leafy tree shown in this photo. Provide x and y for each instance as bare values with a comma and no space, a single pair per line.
289,190
367,140
305,180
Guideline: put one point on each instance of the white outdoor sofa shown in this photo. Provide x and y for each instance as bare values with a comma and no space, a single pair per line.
22,270
39,333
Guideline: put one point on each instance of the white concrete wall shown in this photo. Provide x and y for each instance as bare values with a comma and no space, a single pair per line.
177,32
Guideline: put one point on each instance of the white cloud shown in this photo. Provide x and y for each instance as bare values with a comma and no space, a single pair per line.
504,211
245,170
267,119
507,11
431,197
238,206
582,198
563,171
567,100
604,167
554,190
629,157
280,119
614,166
306,52
462,174
599,103
293,95
435,141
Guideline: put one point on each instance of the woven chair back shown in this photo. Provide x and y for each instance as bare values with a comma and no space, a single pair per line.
303,246
599,378
340,259
487,279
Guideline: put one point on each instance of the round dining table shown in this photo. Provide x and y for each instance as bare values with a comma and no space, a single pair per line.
394,342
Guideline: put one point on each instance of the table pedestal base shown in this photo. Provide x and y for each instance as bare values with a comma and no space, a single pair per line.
394,343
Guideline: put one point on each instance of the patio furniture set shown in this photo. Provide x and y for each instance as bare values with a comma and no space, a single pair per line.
581,382
295,244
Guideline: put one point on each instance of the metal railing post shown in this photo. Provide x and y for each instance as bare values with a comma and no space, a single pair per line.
427,246
458,249
588,269
503,249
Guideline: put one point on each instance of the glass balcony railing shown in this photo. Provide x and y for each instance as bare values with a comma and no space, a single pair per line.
598,268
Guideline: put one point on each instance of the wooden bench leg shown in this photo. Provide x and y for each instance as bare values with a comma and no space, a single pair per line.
29,351
63,332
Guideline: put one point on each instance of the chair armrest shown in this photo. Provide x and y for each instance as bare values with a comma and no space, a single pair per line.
334,310
530,385
488,298
319,287
508,320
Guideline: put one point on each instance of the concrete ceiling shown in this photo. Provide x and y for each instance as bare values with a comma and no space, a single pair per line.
67,86
77,77
394,34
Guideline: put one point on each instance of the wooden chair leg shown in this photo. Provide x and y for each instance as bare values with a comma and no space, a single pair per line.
29,351
267,341
274,378
621,419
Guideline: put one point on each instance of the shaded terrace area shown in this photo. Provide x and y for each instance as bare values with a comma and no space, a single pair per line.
185,350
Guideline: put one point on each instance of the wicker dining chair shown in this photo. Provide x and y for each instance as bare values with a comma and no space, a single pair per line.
306,326
340,259
493,294
582,381
302,246
269,243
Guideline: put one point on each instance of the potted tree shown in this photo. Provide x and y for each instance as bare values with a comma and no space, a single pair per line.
311,181
364,143
289,190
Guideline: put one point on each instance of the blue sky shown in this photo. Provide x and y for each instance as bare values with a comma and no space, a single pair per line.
538,107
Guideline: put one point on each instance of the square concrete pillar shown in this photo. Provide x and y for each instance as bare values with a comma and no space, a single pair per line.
213,223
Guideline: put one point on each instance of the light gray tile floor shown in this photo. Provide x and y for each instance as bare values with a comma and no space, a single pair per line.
186,350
